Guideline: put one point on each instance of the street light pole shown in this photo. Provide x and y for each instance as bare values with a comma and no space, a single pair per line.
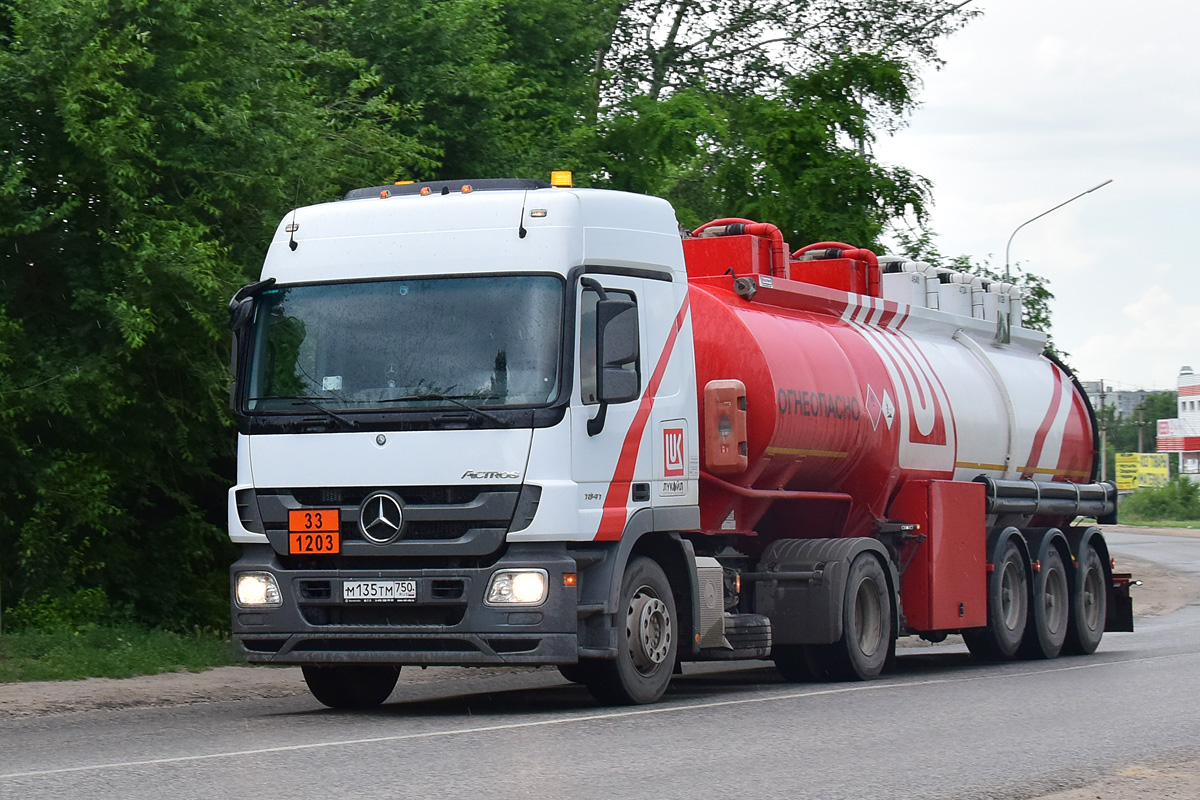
1039,216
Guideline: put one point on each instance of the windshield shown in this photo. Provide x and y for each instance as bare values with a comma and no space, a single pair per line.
490,341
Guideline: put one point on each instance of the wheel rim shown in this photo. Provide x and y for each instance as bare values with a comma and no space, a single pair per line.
1093,586
1055,602
1010,595
868,618
648,629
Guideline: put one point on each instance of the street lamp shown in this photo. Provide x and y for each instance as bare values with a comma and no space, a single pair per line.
1039,216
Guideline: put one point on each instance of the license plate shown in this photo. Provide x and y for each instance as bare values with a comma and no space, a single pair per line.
379,591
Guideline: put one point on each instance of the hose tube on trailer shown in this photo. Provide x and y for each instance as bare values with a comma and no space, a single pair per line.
1055,498
737,226
841,250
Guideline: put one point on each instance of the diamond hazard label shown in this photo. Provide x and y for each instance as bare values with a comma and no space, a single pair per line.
874,408
880,409
888,409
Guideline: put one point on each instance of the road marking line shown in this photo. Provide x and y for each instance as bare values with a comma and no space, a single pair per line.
865,687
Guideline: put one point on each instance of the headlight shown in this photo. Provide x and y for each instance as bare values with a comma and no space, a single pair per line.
517,587
257,589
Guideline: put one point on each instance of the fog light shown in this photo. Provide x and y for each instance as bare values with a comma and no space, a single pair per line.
517,587
257,589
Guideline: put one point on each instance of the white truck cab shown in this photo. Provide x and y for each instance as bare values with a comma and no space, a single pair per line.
432,469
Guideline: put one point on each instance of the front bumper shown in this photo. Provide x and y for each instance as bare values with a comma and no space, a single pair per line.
448,623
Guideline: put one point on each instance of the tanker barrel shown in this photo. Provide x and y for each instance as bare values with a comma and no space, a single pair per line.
1058,498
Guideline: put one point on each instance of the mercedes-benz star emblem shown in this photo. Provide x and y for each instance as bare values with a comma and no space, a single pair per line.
381,517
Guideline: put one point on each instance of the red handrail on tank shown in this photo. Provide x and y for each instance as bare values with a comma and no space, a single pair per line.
849,251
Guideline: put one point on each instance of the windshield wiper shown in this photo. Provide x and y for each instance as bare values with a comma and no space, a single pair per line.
455,399
311,402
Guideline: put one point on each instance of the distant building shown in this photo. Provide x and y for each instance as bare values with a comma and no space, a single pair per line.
1125,402
1182,434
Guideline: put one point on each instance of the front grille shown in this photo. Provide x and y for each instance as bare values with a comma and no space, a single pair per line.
386,644
380,614
411,495
431,513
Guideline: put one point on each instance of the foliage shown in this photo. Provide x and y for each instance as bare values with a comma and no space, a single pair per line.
1178,500
151,146
92,651
657,47
149,149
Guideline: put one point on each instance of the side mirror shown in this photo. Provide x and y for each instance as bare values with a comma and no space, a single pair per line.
616,346
241,307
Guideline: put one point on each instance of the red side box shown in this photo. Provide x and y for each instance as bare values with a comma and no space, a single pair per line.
712,256
945,585
836,273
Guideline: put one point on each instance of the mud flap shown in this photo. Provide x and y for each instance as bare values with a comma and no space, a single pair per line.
1120,605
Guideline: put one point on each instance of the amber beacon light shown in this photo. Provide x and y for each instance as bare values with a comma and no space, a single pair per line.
561,178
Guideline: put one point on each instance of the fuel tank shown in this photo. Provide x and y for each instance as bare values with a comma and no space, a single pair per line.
848,396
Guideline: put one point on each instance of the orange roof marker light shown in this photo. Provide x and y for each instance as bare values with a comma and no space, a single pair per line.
384,193
562,179
424,190
466,189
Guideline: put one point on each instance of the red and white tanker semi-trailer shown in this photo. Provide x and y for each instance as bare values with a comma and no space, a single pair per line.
499,422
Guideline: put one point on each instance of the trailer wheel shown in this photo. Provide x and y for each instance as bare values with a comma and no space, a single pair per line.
1008,608
646,653
351,685
866,625
1089,605
1051,609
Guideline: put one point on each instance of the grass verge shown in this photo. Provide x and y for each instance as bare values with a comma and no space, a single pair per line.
1161,523
95,651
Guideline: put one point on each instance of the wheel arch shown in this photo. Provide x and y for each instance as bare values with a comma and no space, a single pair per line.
669,550
821,623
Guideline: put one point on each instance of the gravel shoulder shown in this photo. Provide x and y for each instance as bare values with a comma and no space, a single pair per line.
1162,591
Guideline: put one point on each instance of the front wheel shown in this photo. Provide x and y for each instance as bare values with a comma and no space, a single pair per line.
351,685
646,653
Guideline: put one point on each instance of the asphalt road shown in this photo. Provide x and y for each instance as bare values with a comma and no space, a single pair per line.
941,727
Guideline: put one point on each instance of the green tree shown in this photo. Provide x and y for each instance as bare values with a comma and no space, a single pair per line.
149,150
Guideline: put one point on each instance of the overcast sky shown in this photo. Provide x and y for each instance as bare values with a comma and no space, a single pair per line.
1042,99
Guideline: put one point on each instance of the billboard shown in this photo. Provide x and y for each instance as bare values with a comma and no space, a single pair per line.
1140,470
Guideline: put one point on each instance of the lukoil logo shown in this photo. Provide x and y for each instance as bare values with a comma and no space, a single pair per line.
672,451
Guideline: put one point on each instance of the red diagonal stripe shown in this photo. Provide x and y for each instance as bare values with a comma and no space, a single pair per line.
612,522
1039,440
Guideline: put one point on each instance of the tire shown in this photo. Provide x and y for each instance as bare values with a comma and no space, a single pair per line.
351,685
1089,605
867,625
798,663
1050,610
1008,607
572,672
646,653
746,632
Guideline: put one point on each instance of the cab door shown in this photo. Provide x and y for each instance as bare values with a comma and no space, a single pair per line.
643,454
